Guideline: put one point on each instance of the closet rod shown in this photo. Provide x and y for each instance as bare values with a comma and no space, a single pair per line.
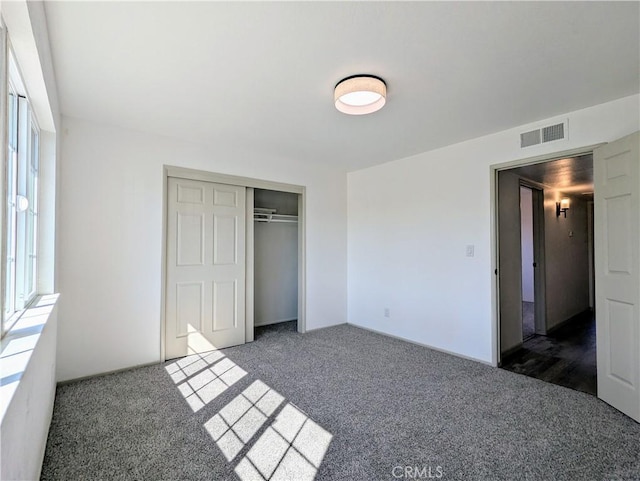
281,221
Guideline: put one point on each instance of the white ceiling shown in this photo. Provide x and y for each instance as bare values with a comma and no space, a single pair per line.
261,75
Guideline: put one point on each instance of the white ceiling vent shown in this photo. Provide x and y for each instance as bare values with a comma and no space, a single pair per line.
550,133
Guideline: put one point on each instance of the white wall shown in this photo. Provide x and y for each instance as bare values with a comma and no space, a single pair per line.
110,250
25,423
526,239
410,220
276,273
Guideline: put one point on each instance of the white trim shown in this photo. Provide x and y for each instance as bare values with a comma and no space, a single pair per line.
249,264
163,266
46,218
192,174
540,159
495,284
540,258
105,373
15,75
591,248
302,264
4,83
421,344
277,321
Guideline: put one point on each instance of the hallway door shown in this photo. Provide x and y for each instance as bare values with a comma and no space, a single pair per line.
617,263
205,295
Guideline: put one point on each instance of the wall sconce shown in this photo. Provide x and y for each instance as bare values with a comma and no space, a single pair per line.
562,207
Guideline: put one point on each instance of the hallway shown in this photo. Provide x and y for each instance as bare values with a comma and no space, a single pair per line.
566,357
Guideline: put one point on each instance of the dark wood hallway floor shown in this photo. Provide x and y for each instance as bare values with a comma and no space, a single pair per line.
566,356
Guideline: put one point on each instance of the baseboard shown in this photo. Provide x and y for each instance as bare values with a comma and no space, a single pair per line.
410,341
567,321
106,373
277,321
325,327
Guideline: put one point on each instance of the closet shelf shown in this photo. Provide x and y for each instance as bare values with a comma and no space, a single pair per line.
270,215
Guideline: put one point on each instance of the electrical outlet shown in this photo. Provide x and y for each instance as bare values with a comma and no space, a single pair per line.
387,312
470,250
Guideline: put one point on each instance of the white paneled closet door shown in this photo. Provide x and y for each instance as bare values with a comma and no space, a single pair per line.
205,295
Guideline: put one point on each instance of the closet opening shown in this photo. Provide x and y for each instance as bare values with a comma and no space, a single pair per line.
275,262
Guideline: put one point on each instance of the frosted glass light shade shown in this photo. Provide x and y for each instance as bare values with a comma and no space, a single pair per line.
360,95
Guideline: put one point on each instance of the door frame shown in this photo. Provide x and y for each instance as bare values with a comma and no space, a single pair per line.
592,252
495,247
539,273
250,184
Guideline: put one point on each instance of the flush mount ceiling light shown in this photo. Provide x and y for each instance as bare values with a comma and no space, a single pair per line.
360,94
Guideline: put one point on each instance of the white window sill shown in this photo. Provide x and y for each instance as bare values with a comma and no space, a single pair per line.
17,347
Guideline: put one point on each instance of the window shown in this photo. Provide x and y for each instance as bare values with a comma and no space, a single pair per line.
21,208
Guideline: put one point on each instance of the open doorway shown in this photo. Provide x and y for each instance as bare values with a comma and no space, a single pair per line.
547,323
275,251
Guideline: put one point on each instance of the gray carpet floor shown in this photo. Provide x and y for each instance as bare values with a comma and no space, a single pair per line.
335,404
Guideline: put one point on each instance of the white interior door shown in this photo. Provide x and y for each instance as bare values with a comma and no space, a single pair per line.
205,295
617,263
